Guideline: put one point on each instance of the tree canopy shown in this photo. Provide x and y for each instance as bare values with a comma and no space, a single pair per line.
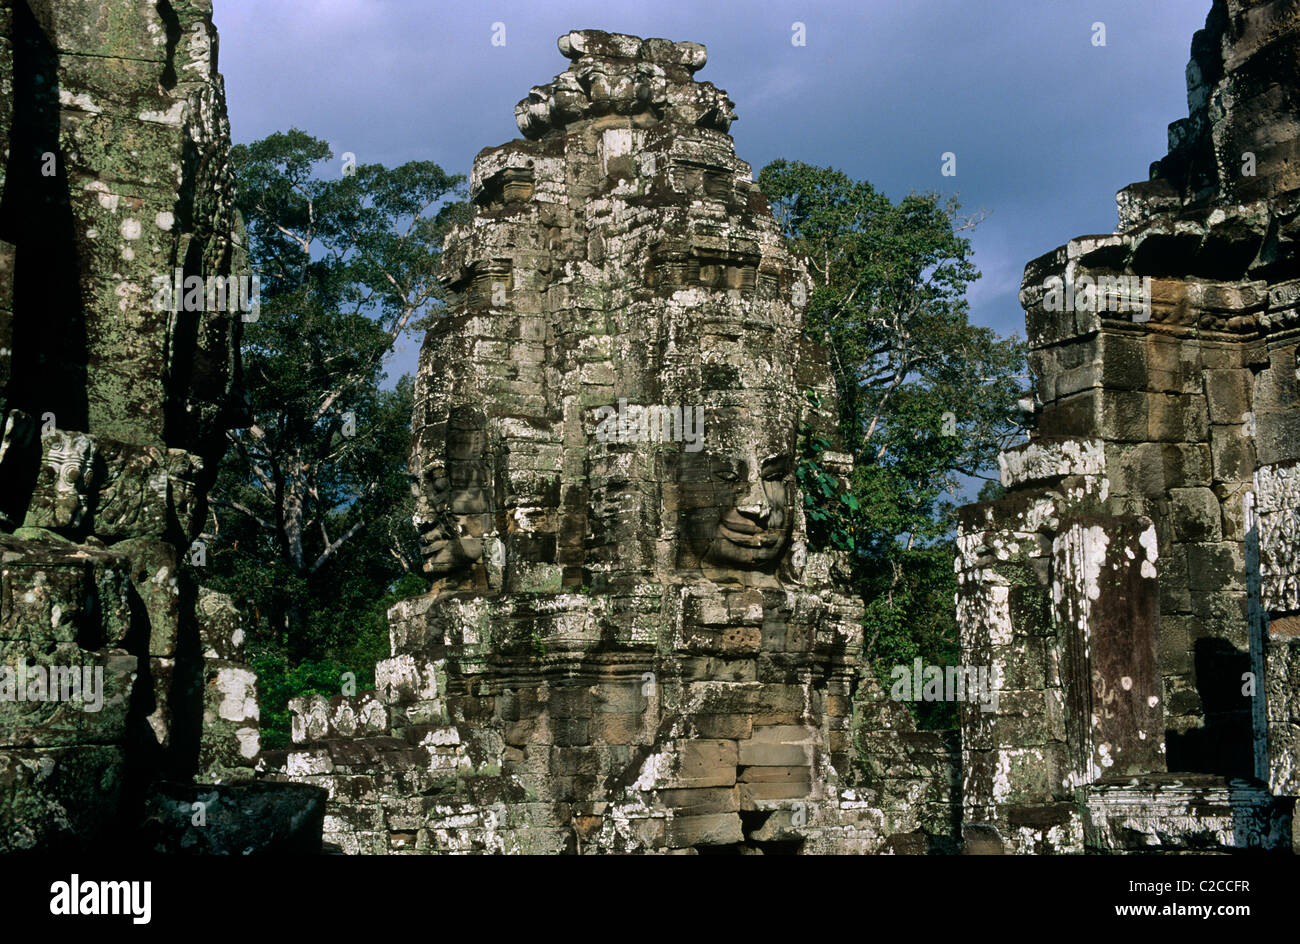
311,525
927,399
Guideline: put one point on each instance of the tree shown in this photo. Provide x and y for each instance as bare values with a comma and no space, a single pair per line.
925,397
311,510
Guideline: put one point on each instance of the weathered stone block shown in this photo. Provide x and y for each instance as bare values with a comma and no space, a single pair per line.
1227,395
242,819
1234,454
759,795
729,726
705,763
711,829
60,798
703,800
1174,418
1122,416
1196,515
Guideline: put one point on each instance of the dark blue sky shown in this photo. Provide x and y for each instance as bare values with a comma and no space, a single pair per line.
1045,125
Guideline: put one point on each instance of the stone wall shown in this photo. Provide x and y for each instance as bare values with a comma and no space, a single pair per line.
1136,579
115,404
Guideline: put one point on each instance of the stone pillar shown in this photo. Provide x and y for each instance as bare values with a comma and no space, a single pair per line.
1276,533
1107,615
1017,756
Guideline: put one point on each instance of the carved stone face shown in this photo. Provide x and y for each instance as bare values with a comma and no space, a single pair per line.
454,498
735,499
62,495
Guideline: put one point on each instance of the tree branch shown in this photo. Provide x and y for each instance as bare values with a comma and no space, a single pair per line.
246,511
329,551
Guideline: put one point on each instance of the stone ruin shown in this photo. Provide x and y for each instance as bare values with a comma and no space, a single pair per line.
630,643
1138,583
114,409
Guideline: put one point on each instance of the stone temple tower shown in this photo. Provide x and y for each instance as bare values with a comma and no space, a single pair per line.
629,643
1139,581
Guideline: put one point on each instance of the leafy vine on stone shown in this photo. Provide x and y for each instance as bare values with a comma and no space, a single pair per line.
832,511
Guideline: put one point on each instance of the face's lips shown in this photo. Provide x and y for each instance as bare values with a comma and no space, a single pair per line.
751,537
742,540
739,525
435,539
440,555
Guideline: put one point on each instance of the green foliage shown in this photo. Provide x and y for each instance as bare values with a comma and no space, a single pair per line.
925,397
832,512
278,682
280,679
311,527
915,618
992,490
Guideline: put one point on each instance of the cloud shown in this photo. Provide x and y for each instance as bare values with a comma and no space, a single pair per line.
1046,126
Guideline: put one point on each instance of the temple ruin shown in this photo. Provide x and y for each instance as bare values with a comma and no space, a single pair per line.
633,641
606,663
115,140
630,644
1137,585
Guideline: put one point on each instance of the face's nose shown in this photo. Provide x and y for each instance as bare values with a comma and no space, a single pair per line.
753,503
467,501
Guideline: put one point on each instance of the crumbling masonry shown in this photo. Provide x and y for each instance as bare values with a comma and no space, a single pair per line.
1138,584
114,410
